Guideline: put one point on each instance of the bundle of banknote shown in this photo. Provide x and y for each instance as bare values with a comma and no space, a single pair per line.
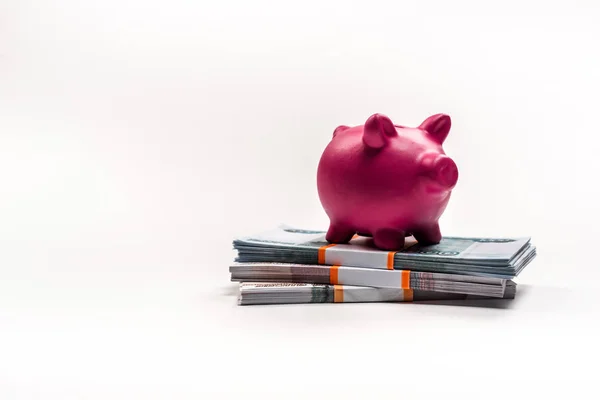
381,278
255,293
463,266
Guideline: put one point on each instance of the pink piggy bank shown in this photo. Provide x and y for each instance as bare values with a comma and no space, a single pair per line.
387,181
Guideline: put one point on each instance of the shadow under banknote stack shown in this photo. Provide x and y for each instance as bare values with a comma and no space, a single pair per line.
288,265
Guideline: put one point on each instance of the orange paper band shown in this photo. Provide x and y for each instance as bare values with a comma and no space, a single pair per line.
408,295
390,260
405,284
333,275
322,252
338,294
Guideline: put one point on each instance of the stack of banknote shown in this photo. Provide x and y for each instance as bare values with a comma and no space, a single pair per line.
290,265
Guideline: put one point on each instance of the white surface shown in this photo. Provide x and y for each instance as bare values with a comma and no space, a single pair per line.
137,138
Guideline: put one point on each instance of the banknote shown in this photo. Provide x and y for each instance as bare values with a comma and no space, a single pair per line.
496,257
256,293
357,276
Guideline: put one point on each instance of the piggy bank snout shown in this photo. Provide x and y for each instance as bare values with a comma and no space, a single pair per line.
445,171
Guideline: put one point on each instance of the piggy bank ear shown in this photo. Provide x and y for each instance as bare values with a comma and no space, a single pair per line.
377,131
339,129
438,127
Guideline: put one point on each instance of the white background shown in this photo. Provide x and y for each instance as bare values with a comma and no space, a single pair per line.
137,138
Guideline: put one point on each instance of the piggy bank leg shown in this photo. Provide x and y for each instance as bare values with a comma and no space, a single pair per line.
389,239
339,233
429,235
